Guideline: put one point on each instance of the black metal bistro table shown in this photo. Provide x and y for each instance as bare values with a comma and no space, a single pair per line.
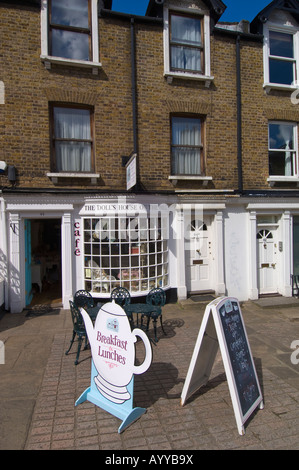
93,311
150,311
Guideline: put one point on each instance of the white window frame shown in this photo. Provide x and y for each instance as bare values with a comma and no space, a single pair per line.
286,30
142,266
48,60
170,74
274,179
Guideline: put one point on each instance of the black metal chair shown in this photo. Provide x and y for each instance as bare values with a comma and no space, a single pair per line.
295,285
121,295
78,329
157,298
83,298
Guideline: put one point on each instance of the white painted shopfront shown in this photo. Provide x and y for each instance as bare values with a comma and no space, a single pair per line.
230,246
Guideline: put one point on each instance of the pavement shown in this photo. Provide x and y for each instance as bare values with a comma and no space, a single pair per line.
39,385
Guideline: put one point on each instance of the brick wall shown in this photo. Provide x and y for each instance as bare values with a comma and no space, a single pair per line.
29,87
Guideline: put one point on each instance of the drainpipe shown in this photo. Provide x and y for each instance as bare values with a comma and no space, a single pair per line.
239,116
133,78
4,253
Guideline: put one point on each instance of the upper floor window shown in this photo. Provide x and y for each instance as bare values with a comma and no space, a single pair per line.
69,33
283,149
187,147
70,29
281,56
187,45
72,139
282,62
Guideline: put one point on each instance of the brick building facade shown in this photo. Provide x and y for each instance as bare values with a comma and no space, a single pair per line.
205,112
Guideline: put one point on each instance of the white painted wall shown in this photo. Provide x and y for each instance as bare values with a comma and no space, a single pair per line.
236,252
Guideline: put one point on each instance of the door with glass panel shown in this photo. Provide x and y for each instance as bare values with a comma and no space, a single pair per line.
198,251
267,261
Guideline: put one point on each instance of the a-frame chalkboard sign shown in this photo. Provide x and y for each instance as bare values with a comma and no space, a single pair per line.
223,326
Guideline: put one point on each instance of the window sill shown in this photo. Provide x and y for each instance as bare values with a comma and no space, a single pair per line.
204,179
276,86
188,76
54,177
49,60
272,180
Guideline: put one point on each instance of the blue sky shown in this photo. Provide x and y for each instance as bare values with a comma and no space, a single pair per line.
236,10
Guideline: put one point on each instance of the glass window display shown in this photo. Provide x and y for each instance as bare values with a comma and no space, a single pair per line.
124,251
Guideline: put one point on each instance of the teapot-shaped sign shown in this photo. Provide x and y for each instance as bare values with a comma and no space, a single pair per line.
113,351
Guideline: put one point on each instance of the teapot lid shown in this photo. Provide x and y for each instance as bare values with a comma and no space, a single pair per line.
113,309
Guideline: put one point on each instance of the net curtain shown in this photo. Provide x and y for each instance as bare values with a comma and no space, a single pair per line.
186,140
187,32
74,153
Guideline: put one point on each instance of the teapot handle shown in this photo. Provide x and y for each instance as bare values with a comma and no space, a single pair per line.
148,352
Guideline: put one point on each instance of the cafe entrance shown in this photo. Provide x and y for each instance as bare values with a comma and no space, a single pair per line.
43,278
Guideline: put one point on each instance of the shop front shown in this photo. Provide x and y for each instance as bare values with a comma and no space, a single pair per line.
123,244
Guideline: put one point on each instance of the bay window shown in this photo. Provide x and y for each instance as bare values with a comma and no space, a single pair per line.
131,252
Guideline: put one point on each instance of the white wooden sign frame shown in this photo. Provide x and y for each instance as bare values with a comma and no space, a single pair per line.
211,336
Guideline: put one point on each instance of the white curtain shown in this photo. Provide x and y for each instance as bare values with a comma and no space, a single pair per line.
186,31
72,124
286,132
186,132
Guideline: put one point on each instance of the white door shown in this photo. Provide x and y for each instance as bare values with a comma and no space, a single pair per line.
198,256
267,261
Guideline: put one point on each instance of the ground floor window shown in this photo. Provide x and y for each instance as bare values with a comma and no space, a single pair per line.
124,251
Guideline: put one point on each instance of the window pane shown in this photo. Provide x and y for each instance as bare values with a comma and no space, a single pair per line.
281,44
185,161
73,156
281,136
70,13
281,163
281,72
185,58
186,30
72,123
186,131
70,45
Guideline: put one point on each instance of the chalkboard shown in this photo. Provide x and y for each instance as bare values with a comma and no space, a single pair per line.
223,326
239,354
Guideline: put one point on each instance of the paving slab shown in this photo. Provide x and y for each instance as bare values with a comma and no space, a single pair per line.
39,385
